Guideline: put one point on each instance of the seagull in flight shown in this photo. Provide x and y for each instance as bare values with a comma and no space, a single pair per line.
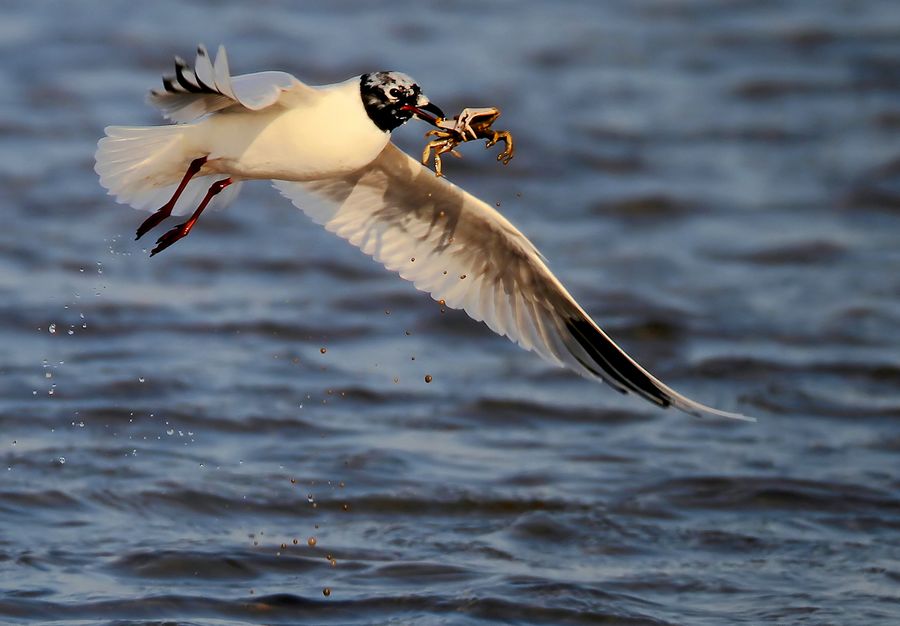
328,150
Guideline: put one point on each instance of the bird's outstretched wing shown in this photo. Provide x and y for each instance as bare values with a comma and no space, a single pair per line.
209,87
460,250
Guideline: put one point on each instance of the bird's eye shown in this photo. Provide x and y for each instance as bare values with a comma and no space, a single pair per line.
395,92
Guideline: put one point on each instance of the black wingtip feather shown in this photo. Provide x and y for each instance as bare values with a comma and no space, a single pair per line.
185,82
614,363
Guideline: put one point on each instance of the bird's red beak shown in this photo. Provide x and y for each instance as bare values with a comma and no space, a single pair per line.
427,112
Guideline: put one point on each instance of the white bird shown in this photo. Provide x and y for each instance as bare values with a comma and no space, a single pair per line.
328,150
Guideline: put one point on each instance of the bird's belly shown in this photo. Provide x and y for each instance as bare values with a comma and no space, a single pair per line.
292,144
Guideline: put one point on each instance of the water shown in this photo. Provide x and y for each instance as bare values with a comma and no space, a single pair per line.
718,183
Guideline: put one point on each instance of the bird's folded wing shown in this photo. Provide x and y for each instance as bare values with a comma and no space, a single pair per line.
462,251
209,87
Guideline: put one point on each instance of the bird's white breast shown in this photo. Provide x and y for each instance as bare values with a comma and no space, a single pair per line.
324,135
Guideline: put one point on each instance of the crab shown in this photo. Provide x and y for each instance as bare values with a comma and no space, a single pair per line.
470,124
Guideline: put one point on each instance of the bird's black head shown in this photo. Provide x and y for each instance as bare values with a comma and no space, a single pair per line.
392,98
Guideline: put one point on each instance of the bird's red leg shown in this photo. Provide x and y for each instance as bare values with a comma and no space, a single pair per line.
183,229
166,209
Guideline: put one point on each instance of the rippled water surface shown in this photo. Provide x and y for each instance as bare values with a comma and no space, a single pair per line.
239,431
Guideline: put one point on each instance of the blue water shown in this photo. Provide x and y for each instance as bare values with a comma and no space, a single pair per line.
717,183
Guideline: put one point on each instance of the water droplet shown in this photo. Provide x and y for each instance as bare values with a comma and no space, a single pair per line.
48,374
62,460
141,379
310,498
323,350
295,542
70,332
428,378
170,431
52,329
462,276
284,546
311,542
412,259
442,302
326,592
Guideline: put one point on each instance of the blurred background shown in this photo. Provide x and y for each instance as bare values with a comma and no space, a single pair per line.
239,430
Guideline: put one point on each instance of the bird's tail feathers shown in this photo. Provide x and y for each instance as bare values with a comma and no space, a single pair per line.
142,166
